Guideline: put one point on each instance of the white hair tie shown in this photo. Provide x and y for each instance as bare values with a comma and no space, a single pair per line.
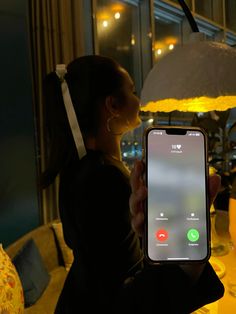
70,111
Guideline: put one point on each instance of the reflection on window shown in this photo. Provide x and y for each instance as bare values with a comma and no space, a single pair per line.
131,147
118,34
167,37
213,10
230,12
204,8
188,2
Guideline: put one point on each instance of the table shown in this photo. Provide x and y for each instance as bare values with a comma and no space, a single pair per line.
227,304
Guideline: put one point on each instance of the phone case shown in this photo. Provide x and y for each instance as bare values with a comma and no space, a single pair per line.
171,226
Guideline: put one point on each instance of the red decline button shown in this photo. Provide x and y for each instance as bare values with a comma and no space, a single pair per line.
162,235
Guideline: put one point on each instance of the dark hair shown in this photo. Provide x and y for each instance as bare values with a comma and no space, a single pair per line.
90,80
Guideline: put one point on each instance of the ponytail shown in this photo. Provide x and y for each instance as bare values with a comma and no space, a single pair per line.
58,139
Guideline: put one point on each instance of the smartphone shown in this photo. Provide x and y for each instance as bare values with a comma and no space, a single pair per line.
177,225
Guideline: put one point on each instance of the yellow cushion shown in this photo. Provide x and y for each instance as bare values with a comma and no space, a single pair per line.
11,292
67,253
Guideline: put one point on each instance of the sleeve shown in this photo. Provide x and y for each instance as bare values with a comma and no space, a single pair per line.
168,289
103,223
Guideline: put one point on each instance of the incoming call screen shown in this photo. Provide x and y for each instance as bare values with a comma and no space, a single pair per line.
176,179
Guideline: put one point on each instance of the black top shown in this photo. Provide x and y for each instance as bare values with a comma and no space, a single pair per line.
108,272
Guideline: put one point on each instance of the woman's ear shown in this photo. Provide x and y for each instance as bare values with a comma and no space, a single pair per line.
112,105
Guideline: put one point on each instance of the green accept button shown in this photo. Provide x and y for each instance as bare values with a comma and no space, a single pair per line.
193,235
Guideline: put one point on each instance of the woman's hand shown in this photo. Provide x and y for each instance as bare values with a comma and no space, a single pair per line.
137,198
139,194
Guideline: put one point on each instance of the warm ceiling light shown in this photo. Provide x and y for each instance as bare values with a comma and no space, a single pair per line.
117,15
105,23
132,40
159,45
197,77
170,40
103,15
171,47
117,7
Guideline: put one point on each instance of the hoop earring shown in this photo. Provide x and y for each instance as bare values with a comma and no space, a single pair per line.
109,128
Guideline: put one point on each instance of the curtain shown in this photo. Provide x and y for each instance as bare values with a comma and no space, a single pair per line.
56,36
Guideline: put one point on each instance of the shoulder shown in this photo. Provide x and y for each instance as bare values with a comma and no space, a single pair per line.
93,169
96,164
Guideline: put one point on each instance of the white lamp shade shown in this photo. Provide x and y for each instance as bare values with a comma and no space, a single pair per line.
192,72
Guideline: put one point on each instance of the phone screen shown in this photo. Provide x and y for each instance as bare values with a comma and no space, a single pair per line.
177,210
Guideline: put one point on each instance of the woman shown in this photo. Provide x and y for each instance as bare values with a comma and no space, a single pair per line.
108,273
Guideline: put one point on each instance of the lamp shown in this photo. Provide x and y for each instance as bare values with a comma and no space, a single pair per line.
196,77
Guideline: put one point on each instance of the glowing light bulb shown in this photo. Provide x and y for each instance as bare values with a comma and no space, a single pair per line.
132,40
150,120
171,46
117,15
105,23
159,51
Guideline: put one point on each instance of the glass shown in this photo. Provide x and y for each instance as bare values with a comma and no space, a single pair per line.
213,10
131,146
230,14
118,34
231,280
188,2
217,247
167,37
218,11
204,8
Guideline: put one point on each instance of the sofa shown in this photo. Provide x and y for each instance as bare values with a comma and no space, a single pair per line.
50,249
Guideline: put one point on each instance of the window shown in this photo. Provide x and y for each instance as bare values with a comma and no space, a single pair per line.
118,35
230,12
213,10
167,37
188,2
204,8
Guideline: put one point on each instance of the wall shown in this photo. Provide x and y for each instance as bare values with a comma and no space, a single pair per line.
19,209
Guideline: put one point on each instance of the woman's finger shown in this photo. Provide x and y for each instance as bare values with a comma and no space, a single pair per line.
136,200
138,223
136,175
